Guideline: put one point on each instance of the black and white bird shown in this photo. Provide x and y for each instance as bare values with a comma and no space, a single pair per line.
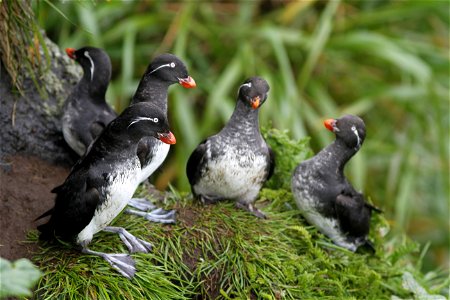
163,71
323,194
103,181
234,163
85,112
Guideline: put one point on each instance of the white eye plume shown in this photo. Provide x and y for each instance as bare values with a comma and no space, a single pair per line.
171,65
358,139
92,64
138,119
248,84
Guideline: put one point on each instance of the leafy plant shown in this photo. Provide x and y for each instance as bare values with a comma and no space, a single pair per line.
17,278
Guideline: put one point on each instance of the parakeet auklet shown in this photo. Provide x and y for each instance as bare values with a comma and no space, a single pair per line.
235,163
103,181
163,71
325,197
85,112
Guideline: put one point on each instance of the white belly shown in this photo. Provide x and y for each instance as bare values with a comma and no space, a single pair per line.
229,178
158,158
118,193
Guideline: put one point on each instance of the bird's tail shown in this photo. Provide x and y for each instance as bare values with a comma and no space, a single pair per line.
47,229
47,213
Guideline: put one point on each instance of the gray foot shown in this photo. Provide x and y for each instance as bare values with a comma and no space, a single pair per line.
209,199
133,244
250,208
158,215
141,204
121,262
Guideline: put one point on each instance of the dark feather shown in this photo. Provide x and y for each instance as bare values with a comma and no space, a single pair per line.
271,166
193,164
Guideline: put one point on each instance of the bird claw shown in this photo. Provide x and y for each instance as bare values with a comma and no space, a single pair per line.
206,200
158,215
123,263
134,244
141,204
251,209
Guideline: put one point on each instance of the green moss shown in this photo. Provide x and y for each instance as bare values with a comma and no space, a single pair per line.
221,252
288,154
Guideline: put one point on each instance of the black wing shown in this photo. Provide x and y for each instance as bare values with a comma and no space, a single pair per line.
194,162
95,129
104,117
145,150
271,166
74,208
353,214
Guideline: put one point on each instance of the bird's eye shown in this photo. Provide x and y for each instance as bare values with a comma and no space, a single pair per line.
172,65
155,120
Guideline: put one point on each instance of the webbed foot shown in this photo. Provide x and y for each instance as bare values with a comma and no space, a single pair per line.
158,215
134,244
141,204
123,263
250,208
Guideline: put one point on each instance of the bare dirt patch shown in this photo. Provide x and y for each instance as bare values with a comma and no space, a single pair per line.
25,185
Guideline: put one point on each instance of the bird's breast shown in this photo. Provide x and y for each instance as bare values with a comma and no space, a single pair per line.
159,151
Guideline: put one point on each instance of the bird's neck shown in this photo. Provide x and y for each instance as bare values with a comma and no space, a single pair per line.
336,155
95,88
243,120
152,90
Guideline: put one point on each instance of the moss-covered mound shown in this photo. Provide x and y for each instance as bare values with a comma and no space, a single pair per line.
220,252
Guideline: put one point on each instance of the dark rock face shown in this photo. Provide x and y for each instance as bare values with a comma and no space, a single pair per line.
31,124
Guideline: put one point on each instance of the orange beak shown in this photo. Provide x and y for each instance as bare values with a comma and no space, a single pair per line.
188,82
330,124
255,102
167,138
71,53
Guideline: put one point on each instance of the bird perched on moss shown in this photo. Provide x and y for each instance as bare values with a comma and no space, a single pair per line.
235,163
103,181
164,71
85,112
323,194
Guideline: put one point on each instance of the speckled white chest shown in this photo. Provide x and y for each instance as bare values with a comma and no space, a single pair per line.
307,204
237,174
160,153
118,190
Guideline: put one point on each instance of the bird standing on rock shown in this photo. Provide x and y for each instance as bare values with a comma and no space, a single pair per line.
235,163
103,181
323,194
85,112
163,71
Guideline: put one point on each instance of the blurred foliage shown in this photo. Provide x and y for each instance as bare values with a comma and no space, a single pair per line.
20,44
17,278
387,61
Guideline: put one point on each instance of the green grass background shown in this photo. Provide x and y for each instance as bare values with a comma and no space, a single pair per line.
387,61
